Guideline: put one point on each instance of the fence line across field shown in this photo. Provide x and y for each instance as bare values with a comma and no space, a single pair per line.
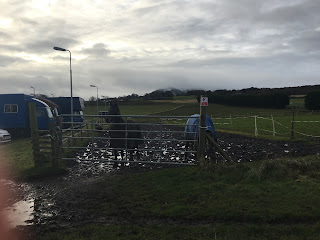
229,119
274,122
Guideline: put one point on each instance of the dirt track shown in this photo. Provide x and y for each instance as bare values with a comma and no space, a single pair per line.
62,201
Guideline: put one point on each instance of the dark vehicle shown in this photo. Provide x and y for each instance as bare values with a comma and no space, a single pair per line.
54,109
64,108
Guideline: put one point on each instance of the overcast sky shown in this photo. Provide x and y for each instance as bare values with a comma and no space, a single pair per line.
137,46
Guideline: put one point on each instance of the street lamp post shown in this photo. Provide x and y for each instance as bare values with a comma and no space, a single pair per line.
97,98
105,101
71,110
34,91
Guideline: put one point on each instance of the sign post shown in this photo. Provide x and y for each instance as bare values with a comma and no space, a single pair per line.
202,131
204,101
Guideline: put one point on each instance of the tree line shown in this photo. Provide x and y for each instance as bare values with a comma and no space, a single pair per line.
276,100
312,101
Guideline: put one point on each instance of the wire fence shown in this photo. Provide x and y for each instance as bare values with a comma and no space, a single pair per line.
273,125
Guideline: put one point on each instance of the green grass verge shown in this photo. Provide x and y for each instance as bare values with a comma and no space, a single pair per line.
206,232
17,155
274,199
269,191
18,159
184,97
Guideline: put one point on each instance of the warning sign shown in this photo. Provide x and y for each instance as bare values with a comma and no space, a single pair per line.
204,102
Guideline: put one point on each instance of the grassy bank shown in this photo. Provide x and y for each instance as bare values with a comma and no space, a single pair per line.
213,231
17,159
275,199
17,156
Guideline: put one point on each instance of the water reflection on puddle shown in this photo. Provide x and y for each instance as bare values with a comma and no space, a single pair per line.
20,213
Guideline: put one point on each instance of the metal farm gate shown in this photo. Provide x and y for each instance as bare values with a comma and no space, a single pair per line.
163,140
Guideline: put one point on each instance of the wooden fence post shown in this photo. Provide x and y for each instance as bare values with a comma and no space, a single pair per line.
34,134
218,148
54,144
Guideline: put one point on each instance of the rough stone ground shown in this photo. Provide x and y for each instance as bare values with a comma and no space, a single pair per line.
62,201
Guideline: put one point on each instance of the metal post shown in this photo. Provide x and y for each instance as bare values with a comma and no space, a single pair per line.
273,127
161,143
126,139
202,136
97,98
34,91
97,102
71,110
92,137
255,126
292,126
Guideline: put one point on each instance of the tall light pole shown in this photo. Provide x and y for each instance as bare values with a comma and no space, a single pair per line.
97,97
105,101
34,91
71,109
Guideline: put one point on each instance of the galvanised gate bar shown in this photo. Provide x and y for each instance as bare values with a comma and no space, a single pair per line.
163,140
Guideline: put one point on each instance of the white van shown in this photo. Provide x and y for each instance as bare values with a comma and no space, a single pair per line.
5,136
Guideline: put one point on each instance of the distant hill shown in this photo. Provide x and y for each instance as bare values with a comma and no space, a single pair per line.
162,94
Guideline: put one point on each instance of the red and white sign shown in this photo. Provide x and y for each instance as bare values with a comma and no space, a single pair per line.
204,102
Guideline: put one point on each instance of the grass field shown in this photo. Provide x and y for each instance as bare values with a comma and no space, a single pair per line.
17,156
276,199
236,119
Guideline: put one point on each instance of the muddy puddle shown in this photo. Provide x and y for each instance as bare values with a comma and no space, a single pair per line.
169,147
20,214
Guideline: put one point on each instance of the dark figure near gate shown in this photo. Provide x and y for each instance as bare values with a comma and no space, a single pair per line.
124,136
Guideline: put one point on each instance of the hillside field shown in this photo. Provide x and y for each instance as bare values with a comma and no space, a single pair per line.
239,120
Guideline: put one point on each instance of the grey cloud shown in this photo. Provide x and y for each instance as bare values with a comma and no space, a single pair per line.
304,14
11,48
4,36
307,42
6,60
98,50
45,46
184,44
28,22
